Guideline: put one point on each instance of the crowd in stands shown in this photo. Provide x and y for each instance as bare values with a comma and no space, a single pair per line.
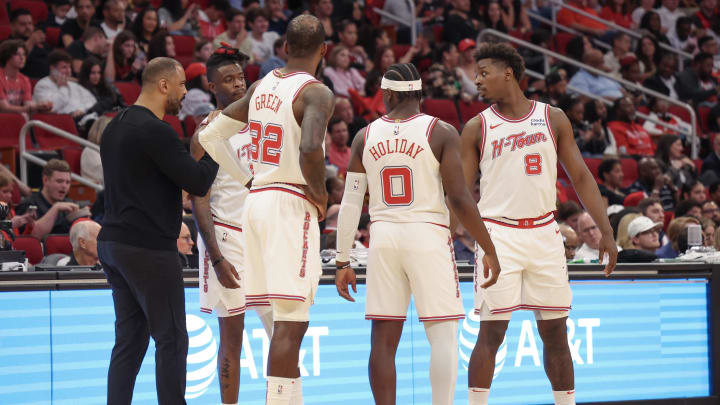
83,59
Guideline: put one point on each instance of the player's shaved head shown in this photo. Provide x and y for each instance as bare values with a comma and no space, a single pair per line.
304,35
158,69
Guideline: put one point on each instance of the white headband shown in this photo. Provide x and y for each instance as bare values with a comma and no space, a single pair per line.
395,85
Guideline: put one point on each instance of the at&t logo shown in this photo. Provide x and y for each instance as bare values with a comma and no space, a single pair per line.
202,357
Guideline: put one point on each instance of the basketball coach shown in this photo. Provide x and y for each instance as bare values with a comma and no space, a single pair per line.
145,167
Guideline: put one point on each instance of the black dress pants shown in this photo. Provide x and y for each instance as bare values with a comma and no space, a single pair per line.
149,298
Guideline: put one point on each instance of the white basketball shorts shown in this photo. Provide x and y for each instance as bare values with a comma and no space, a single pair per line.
412,258
282,245
534,272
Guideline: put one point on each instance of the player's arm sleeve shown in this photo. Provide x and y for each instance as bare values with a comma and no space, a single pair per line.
349,216
215,139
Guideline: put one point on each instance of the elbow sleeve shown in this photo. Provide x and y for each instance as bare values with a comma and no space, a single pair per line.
215,139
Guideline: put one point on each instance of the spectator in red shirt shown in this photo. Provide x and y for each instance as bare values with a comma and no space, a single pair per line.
338,152
619,12
631,137
15,90
215,24
579,22
124,62
707,13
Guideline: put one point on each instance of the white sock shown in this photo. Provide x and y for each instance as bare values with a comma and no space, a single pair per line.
279,390
442,336
264,312
478,396
297,393
564,397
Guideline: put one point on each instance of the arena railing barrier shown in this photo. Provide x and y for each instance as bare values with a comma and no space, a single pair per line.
412,24
693,116
26,156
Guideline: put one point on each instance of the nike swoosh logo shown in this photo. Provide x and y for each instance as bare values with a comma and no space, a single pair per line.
495,126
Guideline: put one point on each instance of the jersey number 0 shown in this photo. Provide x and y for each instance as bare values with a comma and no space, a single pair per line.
397,185
267,143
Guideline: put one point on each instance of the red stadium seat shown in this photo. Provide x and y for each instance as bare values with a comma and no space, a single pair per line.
52,36
400,50
669,216
58,244
592,164
561,41
129,90
48,140
72,154
190,126
5,32
438,33
175,124
704,119
184,48
16,196
443,109
681,112
4,17
81,192
252,73
32,247
468,111
11,125
38,9
630,172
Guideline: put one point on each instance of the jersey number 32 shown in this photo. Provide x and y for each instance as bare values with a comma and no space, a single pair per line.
267,141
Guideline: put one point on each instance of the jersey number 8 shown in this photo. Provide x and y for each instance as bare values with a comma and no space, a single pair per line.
397,185
533,164
266,143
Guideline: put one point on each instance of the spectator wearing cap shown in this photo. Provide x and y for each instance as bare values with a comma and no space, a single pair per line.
198,94
630,136
280,58
236,36
262,40
620,48
696,83
22,27
467,67
343,76
57,14
593,84
53,205
654,183
663,81
644,235
651,208
92,43
66,95
73,28
214,23
610,171
15,89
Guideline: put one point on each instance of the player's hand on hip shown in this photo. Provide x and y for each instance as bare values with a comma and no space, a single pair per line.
491,269
227,275
319,199
343,278
608,246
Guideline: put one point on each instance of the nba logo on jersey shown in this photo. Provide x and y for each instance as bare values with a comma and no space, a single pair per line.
356,185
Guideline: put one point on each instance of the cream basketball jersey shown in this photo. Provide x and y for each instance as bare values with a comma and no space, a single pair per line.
403,174
275,150
518,165
227,195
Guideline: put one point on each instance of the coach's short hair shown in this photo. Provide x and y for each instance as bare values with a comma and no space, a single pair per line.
304,35
159,68
505,54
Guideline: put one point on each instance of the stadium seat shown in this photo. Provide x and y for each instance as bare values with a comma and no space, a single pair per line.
11,125
469,110
704,119
48,140
55,243
38,9
184,48
32,247
52,36
561,41
438,33
129,90
443,109
669,216
81,192
252,73
4,32
72,154
4,17
630,172
400,50
681,112
189,124
175,124
592,164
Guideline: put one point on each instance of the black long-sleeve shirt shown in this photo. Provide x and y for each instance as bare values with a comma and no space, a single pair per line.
145,166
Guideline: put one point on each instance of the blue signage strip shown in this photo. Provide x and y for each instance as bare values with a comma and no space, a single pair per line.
629,340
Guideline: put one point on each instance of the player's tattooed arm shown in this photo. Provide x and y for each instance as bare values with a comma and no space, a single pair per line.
445,144
315,107
584,183
238,110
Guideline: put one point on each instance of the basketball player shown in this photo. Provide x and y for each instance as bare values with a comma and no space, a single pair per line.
516,143
287,114
408,160
218,220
